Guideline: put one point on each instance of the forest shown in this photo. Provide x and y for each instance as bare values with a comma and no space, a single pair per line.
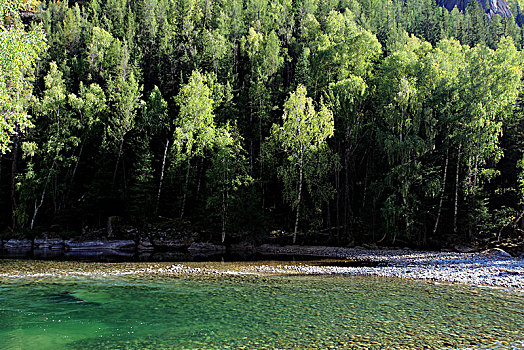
320,121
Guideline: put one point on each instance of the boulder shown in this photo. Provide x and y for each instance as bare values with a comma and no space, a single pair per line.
497,252
18,243
521,256
100,245
48,243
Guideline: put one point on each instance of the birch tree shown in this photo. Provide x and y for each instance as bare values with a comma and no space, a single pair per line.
195,127
55,137
304,131
157,118
19,52
124,98
228,173
402,133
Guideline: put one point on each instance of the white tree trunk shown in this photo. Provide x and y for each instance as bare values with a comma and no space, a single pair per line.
456,191
77,162
186,185
37,207
161,177
224,204
118,160
442,191
224,209
299,197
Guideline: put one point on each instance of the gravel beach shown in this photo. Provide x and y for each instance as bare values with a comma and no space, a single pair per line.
470,268
465,268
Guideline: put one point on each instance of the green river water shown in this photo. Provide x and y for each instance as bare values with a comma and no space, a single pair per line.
255,312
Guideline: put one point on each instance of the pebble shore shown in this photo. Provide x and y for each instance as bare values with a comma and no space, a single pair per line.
472,268
464,268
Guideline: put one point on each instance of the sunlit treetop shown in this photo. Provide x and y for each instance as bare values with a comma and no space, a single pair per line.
19,51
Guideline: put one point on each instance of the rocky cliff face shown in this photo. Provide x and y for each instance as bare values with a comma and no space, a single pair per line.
492,7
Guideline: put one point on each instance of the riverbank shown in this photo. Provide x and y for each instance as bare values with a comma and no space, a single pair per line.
492,268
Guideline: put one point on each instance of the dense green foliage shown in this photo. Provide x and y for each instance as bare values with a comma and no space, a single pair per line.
19,51
348,120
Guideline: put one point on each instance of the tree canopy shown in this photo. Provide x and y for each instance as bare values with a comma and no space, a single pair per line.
19,52
392,122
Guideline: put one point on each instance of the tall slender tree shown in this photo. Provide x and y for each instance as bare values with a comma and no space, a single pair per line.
304,132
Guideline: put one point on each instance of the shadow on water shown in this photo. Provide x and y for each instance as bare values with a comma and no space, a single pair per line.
68,298
167,256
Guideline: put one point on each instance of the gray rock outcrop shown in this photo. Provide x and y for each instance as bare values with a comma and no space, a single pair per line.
48,243
18,243
491,7
100,245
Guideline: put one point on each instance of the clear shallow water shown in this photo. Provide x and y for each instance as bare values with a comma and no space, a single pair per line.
255,312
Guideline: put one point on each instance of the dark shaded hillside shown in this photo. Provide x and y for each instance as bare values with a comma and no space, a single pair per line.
492,7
